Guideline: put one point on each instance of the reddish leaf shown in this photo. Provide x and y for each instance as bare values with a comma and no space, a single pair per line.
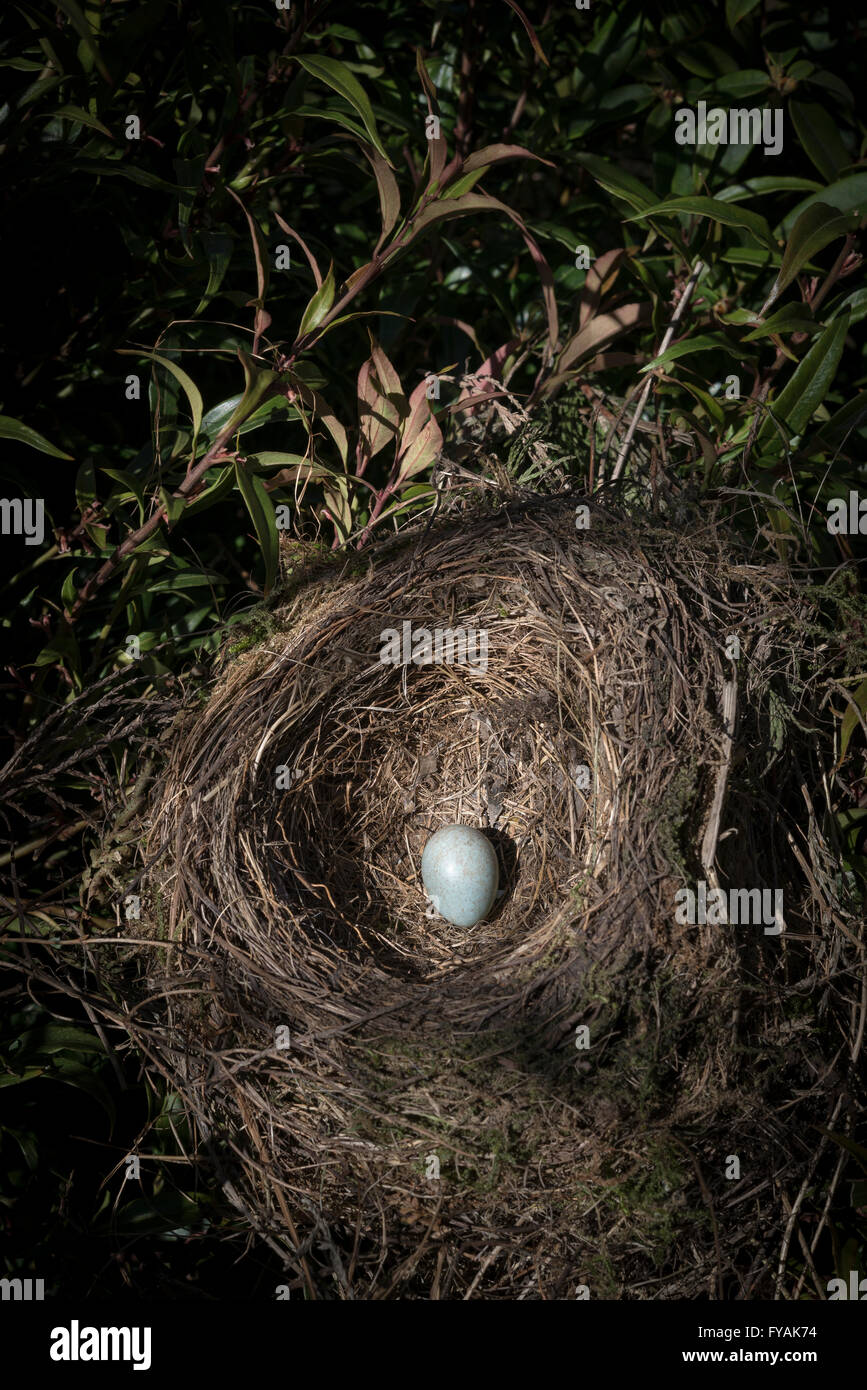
387,376
421,453
600,277
389,193
263,318
304,247
378,419
315,403
469,403
495,154
419,413
531,33
601,331
437,148
356,275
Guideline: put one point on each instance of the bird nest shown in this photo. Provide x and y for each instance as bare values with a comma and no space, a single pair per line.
586,1092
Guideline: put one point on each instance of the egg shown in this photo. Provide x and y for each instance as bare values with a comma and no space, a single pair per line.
460,873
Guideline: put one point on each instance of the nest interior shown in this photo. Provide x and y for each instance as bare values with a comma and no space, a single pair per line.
550,1101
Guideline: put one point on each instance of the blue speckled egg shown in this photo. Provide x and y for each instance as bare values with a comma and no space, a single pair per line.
460,873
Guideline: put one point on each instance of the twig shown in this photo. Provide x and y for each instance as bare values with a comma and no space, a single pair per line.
711,834
793,1214
21,851
691,283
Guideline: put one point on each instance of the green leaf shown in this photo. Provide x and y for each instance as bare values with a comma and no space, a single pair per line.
846,195
850,719
49,1038
856,303
814,229
614,180
726,213
174,506
27,1144
843,423
817,131
857,1151
319,304
220,415
710,403
557,232
215,492
28,1074
118,168
68,590
269,458
13,429
128,480
40,89
74,13
85,485
162,1214
62,648
830,82
75,1074
264,519
22,64
766,183
742,84
756,257
338,117
736,10
705,59
792,318
218,247
258,381
338,76
179,579
809,383
703,343
75,113
463,184
191,390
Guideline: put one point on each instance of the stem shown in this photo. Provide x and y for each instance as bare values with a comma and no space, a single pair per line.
32,845
669,334
834,273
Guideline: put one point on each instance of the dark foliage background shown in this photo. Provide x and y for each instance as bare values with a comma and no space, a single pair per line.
261,129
